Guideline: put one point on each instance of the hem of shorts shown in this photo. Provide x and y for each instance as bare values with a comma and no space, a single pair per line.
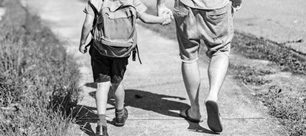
190,61
107,81
225,53
101,81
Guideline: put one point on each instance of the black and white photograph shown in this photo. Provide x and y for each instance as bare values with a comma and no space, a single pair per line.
152,68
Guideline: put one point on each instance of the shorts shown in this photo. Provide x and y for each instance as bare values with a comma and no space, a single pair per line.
107,68
214,27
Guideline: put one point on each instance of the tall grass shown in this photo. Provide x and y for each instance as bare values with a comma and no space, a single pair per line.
285,98
37,78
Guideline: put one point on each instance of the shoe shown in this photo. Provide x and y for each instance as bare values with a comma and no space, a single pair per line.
186,116
101,131
213,116
120,119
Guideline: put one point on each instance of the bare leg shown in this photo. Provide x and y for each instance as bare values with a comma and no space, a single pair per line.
216,74
191,76
119,95
102,96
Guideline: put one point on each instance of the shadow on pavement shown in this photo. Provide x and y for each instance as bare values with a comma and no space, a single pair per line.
159,103
163,104
195,127
84,115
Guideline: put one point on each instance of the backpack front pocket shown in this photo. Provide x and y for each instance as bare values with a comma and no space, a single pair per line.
120,24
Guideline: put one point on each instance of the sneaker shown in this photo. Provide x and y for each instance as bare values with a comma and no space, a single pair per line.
121,118
101,131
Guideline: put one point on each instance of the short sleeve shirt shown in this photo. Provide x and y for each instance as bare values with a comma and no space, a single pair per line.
95,5
205,4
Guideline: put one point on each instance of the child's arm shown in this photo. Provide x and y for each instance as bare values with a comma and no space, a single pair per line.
87,26
151,19
161,7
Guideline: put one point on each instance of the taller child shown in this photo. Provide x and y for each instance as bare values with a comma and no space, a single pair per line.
109,57
212,22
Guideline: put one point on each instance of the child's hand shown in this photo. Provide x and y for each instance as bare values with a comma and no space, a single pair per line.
83,48
167,17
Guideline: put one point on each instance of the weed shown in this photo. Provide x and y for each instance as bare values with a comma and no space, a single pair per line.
251,76
259,48
37,78
288,109
283,102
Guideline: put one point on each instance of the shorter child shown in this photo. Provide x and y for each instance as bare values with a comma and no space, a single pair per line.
108,71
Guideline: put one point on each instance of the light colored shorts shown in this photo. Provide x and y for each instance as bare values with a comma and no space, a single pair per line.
214,27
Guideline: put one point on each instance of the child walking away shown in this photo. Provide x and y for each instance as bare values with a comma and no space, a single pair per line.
112,25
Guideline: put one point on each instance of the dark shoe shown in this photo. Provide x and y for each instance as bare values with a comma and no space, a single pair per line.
213,116
101,131
186,116
120,119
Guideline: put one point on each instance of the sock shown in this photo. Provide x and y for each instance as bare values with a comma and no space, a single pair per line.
102,120
119,112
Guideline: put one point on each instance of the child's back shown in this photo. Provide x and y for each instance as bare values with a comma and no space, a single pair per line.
114,31
112,24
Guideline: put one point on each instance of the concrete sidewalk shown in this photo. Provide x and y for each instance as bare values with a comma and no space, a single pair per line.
282,21
154,91
2,12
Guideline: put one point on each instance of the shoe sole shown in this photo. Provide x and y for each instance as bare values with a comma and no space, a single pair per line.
213,118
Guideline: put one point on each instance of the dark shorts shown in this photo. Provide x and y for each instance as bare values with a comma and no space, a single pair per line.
107,68
214,27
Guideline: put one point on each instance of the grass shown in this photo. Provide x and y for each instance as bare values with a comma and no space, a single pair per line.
284,95
37,78
262,70
259,48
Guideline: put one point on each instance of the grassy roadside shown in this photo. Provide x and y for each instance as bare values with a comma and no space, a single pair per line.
37,78
275,74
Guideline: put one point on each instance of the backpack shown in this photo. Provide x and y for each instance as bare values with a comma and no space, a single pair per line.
114,32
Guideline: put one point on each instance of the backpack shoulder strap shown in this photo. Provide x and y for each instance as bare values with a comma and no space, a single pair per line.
96,5
128,3
114,5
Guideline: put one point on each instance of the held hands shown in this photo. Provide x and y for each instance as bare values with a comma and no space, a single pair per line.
164,11
167,19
